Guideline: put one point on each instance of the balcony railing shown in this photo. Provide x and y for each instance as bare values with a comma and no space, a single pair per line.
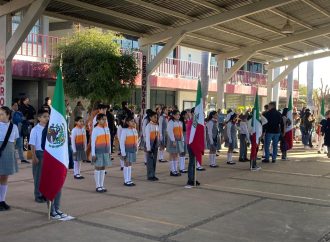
44,48
38,48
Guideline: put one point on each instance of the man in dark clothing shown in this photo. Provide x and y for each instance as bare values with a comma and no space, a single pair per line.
112,126
124,112
46,105
272,131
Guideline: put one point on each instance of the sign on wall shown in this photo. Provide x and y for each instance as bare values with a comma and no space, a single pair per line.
2,81
144,84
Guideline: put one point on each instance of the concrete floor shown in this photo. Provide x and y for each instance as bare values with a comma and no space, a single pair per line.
285,201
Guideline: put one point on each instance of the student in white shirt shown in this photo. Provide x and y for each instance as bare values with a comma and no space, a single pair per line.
8,162
37,152
244,139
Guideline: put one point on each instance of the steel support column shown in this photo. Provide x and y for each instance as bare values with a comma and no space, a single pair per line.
221,83
205,74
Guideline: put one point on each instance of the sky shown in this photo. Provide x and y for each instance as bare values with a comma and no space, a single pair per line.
321,70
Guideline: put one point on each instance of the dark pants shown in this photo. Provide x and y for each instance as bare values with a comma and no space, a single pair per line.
328,151
112,141
242,146
191,165
36,171
151,163
56,203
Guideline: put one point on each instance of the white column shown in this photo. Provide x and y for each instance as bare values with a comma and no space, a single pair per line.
310,78
269,85
205,73
276,87
220,83
6,81
145,84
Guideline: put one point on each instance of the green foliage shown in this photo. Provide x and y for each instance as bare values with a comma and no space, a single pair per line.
94,68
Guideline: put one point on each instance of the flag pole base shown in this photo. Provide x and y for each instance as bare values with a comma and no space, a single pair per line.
49,204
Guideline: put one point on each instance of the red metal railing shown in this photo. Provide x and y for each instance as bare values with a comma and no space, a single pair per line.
38,48
43,48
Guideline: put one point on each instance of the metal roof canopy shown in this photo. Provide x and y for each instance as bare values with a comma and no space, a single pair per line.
229,28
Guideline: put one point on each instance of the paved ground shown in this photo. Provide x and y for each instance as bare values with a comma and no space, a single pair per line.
286,201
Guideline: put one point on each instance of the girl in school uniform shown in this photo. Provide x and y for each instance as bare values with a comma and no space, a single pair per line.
119,130
8,162
145,121
163,120
79,146
212,133
101,151
128,149
175,144
231,137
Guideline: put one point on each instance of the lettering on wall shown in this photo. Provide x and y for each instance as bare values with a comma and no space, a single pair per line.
2,81
144,84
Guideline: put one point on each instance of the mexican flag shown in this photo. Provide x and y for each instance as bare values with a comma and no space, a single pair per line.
322,109
289,129
256,129
56,154
196,139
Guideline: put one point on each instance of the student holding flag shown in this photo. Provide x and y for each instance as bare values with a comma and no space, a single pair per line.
56,153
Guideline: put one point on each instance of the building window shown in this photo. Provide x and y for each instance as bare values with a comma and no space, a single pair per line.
188,104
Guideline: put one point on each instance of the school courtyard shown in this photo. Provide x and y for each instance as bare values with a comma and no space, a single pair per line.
285,201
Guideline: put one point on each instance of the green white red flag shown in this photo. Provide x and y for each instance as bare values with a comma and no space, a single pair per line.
256,129
196,139
289,129
56,154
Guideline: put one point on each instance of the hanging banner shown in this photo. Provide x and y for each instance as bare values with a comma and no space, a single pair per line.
144,85
2,81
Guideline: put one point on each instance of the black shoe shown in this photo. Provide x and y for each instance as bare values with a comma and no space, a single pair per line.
241,160
99,190
2,208
151,179
25,161
216,154
174,174
198,183
200,169
214,166
5,205
79,177
273,161
128,184
121,168
191,183
39,200
155,178
87,161
183,171
231,162
265,161
112,158
247,160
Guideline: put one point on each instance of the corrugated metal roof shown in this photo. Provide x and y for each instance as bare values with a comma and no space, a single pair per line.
248,31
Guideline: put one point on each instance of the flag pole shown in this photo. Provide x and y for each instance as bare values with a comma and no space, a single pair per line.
49,208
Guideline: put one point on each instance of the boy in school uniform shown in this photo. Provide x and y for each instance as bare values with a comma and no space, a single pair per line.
37,152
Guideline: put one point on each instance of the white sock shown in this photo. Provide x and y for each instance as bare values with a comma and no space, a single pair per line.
198,164
175,165
214,159
121,163
129,174
210,159
75,168
97,178
182,163
4,192
230,156
125,174
171,164
161,155
102,175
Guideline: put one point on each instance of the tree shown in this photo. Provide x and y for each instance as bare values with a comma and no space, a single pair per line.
94,68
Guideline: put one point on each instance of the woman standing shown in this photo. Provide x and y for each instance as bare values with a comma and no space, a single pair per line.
8,163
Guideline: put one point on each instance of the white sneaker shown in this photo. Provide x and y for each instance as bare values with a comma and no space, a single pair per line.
61,214
257,168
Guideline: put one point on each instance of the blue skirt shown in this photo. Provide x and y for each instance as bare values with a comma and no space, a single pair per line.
8,162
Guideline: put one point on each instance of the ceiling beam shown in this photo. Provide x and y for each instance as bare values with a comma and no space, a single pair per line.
105,11
92,23
216,19
317,7
14,6
299,59
278,42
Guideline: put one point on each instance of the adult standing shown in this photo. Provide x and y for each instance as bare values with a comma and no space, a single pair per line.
307,128
326,131
112,126
68,112
272,131
18,119
79,110
28,112
47,104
